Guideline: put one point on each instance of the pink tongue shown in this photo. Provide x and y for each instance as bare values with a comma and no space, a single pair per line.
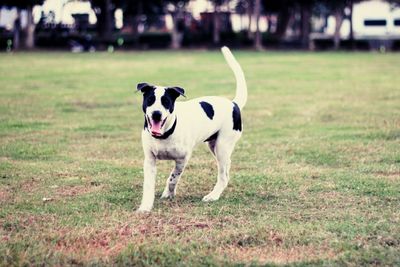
156,128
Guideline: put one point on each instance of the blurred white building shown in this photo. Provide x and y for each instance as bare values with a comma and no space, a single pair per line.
371,20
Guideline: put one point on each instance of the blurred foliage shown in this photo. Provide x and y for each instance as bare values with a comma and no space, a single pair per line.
20,3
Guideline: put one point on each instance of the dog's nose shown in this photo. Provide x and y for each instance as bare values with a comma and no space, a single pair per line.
156,116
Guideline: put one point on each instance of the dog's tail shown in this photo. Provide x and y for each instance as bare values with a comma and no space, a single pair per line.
241,87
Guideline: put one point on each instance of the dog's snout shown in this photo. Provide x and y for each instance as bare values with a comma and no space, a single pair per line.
156,116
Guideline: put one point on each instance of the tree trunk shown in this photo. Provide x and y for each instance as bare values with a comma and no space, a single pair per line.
257,11
283,22
241,22
130,24
17,31
269,21
104,20
305,25
249,13
175,42
351,36
216,26
136,20
339,20
30,30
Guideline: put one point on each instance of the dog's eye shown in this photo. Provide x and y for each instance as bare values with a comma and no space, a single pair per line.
165,102
150,100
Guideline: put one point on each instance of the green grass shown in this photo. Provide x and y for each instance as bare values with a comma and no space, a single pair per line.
315,179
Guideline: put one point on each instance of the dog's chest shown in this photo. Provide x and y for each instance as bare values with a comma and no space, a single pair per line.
168,150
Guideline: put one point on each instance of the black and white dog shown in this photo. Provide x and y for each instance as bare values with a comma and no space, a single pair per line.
171,131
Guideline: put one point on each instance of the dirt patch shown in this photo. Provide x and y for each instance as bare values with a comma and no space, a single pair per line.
72,191
91,243
4,196
99,243
276,254
174,225
28,186
329,196
391,175
26,222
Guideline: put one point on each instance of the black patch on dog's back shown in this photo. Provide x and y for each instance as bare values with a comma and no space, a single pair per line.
212,137
237,120
208,109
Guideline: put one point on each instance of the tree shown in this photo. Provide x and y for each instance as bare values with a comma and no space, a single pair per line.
338,14
30,27
351,37
253,8
305,15
104,10
134,10
217,20
250,8
257,13
284,10
176,8
336,8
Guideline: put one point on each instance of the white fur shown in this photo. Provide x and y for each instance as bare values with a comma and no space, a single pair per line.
193,127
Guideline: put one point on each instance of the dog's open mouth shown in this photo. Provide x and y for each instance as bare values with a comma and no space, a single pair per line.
156,126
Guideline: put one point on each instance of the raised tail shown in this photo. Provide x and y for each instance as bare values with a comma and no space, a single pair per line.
241,87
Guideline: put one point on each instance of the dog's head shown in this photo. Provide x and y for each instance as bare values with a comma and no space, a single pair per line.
158,105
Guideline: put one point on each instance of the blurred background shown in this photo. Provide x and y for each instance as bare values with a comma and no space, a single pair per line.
174,24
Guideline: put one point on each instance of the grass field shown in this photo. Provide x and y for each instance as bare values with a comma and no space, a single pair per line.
315,179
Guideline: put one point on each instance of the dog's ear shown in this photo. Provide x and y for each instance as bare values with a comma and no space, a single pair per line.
143,87
176,91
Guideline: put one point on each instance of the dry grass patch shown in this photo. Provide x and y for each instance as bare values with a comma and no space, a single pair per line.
76,190
30,185
88,243
390,175
4,196
276,254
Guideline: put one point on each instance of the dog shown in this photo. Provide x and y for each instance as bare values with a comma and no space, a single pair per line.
172,129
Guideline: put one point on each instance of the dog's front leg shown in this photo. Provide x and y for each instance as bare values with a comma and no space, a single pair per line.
149,183
170,187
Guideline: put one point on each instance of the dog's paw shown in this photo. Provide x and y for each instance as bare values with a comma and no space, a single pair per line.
210,197
142,210
167,195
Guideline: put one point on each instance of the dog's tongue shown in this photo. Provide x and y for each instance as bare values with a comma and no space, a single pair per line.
156,128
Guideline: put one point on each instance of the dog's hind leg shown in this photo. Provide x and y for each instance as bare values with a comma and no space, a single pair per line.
172,181
211,145
223,149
